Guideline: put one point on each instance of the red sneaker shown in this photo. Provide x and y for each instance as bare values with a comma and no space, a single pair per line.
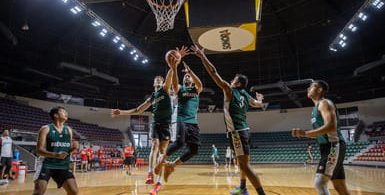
150,178
156,189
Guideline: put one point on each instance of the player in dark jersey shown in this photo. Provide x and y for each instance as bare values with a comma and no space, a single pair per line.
55,144
161,109
236,103
187,121
326,131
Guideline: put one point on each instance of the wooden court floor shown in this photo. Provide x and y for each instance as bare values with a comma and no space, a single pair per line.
204,179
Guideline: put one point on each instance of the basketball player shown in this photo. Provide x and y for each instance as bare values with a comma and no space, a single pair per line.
55,144
309,154
326,130
84,159
128,153
6,157
214,155
161,110
236,103
228,157
187,120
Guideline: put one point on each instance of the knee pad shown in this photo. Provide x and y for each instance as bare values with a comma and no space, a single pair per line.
321,184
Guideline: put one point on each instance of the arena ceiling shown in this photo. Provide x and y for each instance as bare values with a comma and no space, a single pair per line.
292,45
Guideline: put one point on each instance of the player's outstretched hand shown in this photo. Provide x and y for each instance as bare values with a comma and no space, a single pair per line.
115,112
259,96
184,51
297,132
197,51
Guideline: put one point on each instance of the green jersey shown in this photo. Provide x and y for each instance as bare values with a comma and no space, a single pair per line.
317,122
161,107
188,105
235,110
57,142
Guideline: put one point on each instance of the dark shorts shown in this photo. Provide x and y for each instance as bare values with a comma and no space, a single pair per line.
6,161
160,131
240,142
58,175
332,159
129,160
188,133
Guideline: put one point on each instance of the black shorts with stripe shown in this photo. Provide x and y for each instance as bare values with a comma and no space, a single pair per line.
240,142
161,131
332,160
58,175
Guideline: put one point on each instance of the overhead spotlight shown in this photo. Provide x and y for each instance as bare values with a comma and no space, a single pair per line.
379,6
342,43
133,51
25,27
65,1
332,49
122,46
352,27
95,23
362,16
145,61
342,36
75,10
103,32
116,39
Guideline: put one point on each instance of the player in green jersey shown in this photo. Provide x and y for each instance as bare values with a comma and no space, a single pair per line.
55,144
187,121
327,133
236,104
161,109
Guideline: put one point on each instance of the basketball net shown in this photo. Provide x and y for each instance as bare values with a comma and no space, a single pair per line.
165,12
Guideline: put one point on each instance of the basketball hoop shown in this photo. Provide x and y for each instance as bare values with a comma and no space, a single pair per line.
165,12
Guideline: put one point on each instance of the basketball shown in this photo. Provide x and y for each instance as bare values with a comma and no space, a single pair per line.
172,54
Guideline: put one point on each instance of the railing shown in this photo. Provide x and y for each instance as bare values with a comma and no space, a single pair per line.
27,157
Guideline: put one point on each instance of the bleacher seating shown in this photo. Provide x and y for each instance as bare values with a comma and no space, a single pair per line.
377,129
377,153
276,147
20,116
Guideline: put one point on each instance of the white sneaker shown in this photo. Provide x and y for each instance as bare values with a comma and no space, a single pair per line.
3,181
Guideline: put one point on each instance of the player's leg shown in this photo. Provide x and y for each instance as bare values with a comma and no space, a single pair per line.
240,144
65,179
40,187
174,146
71,187
152,160
41,178
340,186
192,150
338,178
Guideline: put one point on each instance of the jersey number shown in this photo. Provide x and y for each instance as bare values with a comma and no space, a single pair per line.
242,103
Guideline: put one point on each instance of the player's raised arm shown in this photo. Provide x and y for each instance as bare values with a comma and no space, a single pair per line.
210,68
195,78
138,110
257,102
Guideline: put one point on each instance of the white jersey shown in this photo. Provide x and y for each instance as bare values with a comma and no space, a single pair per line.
174,105
228,153
6,147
